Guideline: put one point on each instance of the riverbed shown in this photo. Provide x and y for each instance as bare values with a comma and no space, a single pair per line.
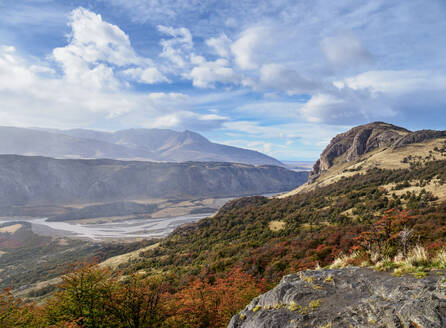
128,229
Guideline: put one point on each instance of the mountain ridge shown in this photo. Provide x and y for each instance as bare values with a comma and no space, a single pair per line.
161,145
36,180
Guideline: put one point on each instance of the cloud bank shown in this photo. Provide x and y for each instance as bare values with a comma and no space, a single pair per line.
231,69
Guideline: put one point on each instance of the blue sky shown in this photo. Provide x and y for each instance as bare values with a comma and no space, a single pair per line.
282,77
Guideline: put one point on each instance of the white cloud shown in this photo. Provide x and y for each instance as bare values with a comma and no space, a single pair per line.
342,108
205,74
51,101
279,77
272,109
377,95
345,50
285,47
397,82
168,101
246,48
96,49
42,69
176,49
94,40
221,45
13,75
187,120
149,75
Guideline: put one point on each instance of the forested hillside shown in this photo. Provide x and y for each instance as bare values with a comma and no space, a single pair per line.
391,219
205,272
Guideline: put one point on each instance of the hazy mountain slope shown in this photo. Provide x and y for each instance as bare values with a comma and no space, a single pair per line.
165,145
373,145
150,139
22,141
187,145
44,181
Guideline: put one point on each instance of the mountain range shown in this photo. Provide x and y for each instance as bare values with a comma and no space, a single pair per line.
372,185
34,180
159,145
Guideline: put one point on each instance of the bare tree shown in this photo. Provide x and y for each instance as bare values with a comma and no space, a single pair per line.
405,236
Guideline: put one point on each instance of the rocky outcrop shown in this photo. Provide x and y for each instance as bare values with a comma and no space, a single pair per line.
350,297
351,145
356,142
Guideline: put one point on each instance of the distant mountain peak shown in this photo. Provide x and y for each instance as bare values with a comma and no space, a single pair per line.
139,143
191,136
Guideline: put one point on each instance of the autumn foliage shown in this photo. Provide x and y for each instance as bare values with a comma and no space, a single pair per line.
206,303
15,313
391,233
204,273
91,296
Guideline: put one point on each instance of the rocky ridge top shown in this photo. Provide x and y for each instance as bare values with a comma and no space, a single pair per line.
349,297
351,145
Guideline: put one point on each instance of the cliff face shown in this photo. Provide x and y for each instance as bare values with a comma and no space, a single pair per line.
350,297
351,145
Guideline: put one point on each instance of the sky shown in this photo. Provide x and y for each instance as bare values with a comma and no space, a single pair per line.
282,77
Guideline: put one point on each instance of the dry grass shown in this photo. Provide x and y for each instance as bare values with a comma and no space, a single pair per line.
166,208
433,187
417,262
38,286
276,225
440,259
344,260
385,158
417,257
10,229
115,261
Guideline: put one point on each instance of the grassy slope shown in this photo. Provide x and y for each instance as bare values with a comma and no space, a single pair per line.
317,225
268,238
385,158
272,237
